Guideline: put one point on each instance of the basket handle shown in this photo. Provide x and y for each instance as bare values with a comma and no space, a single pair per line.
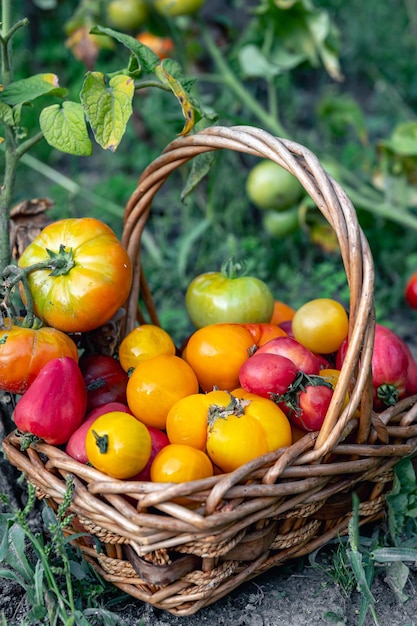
337,209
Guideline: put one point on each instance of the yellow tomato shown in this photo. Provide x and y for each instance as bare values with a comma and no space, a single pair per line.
321,325
118,445
142,343
187,421
177,463
156,384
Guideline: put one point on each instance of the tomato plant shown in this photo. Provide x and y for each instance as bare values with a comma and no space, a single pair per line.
90,278
24,351
178,463
270,186
175,8
118,444
216,297
104,378
76,443
156,384
216,354
54,405
411,291
321,325
142,343
127,14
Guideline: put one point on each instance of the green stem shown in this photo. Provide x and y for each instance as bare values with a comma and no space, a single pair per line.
387,211
267,119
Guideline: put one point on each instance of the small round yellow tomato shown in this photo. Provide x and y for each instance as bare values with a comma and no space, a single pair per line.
142,343
187,421
177,463
177,7
321,325
156,384
118,444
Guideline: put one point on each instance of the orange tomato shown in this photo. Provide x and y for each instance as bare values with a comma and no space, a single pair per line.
142,343
177,463
282,312
187,421
262,333
332,376
156,384
216,353
162,46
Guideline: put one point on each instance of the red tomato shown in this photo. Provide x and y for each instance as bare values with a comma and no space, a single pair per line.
158,441
304,360
105,380
24,351
411,291
54,405
266,374
313,404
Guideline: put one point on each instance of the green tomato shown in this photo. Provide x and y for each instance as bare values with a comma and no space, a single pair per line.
213,298
281,224
127,14
174,8
270,186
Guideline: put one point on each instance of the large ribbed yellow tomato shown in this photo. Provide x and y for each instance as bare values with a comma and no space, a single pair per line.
85,274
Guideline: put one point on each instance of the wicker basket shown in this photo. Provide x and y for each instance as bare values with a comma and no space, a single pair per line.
277,507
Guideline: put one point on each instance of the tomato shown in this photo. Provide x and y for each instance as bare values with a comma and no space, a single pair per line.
95,278
282,312
54,405
177,463
158,441
281,224
144,342
162,46
411,387
410,292
215,297
241,430
332,375
76,443
389,368
270,186
118,444
262,333
216,354
156,384
303,359
266,374
187,420
321,325
306,402
24,351
127,14
104,379
177,7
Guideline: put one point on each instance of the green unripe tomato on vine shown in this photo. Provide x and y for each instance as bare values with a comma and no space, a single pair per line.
281,223
127,14
270,187
174,8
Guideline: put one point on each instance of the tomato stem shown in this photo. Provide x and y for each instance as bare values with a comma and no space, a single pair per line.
388,394
102,442
236,407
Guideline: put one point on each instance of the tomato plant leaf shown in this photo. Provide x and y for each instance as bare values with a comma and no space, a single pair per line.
179,92
29,89
6,114
144,59
64,127
108,106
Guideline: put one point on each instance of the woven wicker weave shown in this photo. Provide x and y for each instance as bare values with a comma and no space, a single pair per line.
277,507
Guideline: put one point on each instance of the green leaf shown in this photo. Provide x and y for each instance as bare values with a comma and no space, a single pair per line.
144,59
6,114
29,89
168,78
64,127
16,557
255,64
403,140
108,106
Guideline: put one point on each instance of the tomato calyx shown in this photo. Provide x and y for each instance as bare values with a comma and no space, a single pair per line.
235,407
232,268
60,262
102,442
388,394
300,384
27,439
